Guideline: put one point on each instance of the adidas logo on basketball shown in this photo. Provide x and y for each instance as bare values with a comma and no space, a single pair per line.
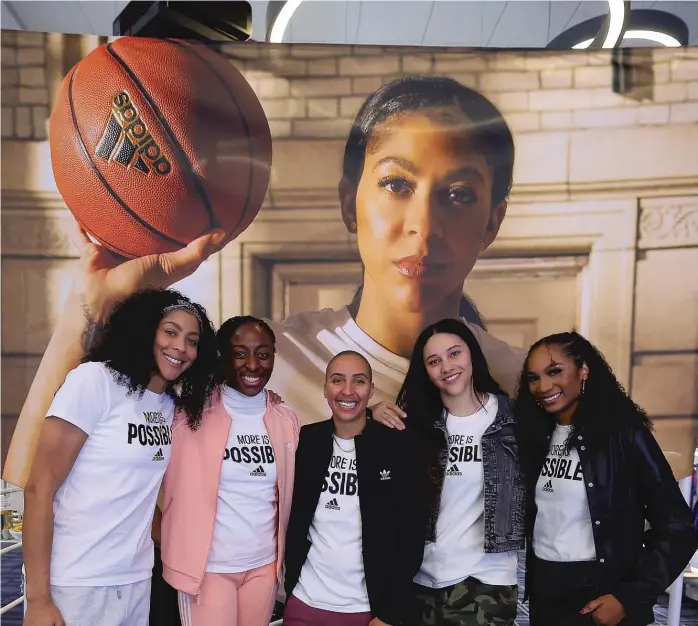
126,140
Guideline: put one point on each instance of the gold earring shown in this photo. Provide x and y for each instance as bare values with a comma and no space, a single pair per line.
352,227
583,383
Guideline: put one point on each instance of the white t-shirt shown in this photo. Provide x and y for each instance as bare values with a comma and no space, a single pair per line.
103,512
458,551
244,533
332,577
562,531
306,342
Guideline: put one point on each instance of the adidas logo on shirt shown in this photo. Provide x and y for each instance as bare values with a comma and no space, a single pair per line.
258,472
549,487
159,456
332,504
453,471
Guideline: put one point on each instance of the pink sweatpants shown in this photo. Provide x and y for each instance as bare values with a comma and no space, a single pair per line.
244,599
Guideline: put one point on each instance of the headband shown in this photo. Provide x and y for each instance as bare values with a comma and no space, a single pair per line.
185,306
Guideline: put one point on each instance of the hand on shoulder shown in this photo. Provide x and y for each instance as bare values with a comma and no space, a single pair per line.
389,414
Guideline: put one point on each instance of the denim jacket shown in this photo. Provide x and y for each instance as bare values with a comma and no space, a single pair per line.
504,488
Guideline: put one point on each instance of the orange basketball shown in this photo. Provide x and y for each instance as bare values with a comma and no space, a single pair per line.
155,142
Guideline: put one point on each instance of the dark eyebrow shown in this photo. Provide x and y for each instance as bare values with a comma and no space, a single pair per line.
403,163
449,349
552,364
467,171
179,328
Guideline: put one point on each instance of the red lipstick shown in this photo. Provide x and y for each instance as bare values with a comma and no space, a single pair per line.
411,266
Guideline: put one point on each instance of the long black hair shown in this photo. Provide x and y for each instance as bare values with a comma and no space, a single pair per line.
419,397
125,346
604,406
488,131
226,332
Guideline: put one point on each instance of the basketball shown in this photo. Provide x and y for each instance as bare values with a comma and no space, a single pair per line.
155,142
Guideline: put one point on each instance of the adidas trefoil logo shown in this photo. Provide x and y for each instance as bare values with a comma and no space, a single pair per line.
549,487
385,474
332,504
159,456
258,472
453,471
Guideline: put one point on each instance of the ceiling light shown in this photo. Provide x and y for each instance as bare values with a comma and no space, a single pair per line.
659,27
650,35
282,20
616,9
647,35
583,45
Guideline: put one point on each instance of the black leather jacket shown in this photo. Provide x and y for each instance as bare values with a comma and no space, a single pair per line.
628,480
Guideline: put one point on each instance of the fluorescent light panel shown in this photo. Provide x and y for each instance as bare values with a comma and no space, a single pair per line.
648,35
615,8
282,20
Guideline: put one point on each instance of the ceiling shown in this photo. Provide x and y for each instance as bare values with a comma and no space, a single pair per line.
517,23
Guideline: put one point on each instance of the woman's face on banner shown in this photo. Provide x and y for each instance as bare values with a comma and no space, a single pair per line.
424,208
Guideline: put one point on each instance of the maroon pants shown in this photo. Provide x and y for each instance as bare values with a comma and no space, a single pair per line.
298,613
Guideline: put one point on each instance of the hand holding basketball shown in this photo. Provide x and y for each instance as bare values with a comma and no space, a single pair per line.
104,279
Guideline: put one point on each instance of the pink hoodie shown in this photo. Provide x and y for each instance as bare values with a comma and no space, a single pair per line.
190,496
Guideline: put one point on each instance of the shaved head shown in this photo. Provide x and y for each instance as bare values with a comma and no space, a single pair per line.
344,353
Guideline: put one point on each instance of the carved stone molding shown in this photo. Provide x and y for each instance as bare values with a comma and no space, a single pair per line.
529,268
326,197
30,200
668,223
37,234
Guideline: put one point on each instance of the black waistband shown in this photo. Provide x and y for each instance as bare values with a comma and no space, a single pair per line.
552,579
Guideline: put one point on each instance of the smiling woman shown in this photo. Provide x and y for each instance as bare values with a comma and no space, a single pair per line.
356,531
232,480
247,346
106,441
466,427
595,477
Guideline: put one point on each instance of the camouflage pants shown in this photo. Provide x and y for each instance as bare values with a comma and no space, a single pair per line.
468,603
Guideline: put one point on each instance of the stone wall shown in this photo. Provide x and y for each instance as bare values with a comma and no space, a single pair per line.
311,92
25,95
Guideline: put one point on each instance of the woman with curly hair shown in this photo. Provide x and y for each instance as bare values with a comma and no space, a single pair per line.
232,480
595,475
102,453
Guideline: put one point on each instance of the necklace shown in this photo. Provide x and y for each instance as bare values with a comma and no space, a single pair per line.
339,445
